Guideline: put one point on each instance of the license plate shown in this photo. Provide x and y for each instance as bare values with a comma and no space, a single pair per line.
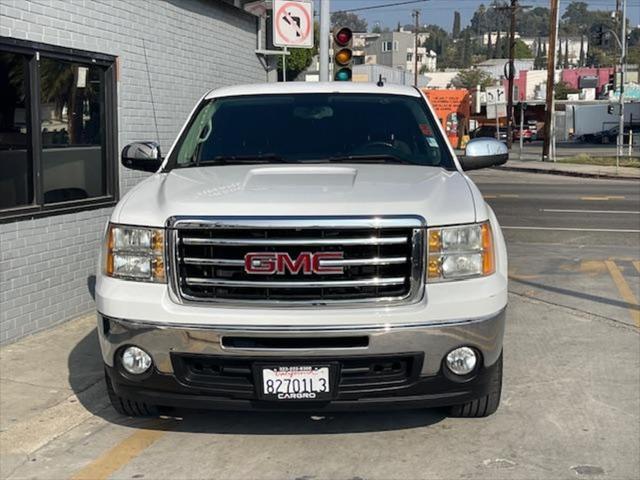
301,382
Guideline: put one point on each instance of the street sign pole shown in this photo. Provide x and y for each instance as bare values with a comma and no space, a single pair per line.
623,61
324,39
284,64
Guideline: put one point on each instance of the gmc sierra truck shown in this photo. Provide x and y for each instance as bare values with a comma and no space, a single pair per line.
307,247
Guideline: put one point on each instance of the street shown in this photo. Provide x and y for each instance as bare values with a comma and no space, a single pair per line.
571,394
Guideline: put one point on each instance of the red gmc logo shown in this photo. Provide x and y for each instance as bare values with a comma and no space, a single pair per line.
280,263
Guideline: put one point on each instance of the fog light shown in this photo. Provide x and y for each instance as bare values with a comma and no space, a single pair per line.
462,361
135,360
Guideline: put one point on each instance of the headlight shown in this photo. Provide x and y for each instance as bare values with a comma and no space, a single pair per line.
460,252
134,253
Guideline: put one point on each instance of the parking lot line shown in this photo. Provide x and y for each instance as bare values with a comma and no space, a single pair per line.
625,291
560,210
570,229
603,198
122,453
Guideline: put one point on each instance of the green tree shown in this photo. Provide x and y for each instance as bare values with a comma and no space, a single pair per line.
538,63
534,22
471,78
522,50
583,54
559,56
466,50
299,59
498,49
455,32
562,89
438,39
347,19
566,53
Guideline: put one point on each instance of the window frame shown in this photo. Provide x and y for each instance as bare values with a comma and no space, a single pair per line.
33,51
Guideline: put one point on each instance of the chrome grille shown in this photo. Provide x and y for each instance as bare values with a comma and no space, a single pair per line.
382,260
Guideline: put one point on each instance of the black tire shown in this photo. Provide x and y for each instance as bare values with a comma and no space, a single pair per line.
130,408
484,406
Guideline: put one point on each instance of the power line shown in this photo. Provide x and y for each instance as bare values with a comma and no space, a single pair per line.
371,7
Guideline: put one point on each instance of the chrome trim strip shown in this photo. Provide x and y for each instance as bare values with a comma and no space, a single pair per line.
218,262
294,241
394,221
368,282
363,261
372,327
226,262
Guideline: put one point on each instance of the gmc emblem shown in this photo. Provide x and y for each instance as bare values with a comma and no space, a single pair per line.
281,263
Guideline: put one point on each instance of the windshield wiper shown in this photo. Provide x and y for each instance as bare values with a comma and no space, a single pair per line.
371,159
231,159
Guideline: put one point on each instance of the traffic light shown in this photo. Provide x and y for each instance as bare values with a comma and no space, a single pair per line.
342,54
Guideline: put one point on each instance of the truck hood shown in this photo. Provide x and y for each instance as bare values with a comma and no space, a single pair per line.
440,196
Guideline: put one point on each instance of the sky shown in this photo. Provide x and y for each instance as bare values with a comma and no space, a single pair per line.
440,12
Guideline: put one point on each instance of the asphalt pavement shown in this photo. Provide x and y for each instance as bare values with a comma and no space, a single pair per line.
571,395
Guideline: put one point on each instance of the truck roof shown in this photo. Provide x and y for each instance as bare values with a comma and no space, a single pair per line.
311,87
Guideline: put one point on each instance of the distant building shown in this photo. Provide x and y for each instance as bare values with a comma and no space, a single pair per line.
396,50
532,84
569,44
496,67
441,80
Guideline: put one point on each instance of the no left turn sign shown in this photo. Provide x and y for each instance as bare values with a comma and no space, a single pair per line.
292,24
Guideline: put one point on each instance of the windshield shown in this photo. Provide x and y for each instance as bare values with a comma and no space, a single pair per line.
323,127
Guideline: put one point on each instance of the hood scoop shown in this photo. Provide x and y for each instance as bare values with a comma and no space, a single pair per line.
314,178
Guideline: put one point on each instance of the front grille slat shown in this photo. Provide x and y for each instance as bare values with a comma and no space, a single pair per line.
229,262
297,284
293,241
378,265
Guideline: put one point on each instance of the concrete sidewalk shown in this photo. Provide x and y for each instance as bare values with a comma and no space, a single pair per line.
50,383
572,169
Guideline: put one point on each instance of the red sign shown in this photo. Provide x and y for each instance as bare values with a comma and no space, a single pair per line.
292,24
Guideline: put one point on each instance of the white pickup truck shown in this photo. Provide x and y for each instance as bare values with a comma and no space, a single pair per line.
305,247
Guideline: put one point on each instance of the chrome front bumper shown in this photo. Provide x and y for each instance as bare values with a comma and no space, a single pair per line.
435,340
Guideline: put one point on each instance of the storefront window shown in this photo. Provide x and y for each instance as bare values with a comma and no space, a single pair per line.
57,129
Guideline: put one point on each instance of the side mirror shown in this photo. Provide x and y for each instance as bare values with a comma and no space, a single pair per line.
144,156
483,153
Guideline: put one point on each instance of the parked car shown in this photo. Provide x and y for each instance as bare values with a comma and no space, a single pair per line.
527,135
489,131
284,256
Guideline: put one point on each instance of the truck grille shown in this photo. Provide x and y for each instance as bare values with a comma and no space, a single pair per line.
381,260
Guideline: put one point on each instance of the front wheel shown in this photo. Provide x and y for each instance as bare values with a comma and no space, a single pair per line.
483,406
130,408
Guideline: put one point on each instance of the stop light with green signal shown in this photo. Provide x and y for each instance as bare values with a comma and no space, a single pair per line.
342,54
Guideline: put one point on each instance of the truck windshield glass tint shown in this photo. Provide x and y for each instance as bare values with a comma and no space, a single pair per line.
313,128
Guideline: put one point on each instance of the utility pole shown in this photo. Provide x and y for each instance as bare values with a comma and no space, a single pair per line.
551,67
510,74
512,47
325,9
623,61
416,15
